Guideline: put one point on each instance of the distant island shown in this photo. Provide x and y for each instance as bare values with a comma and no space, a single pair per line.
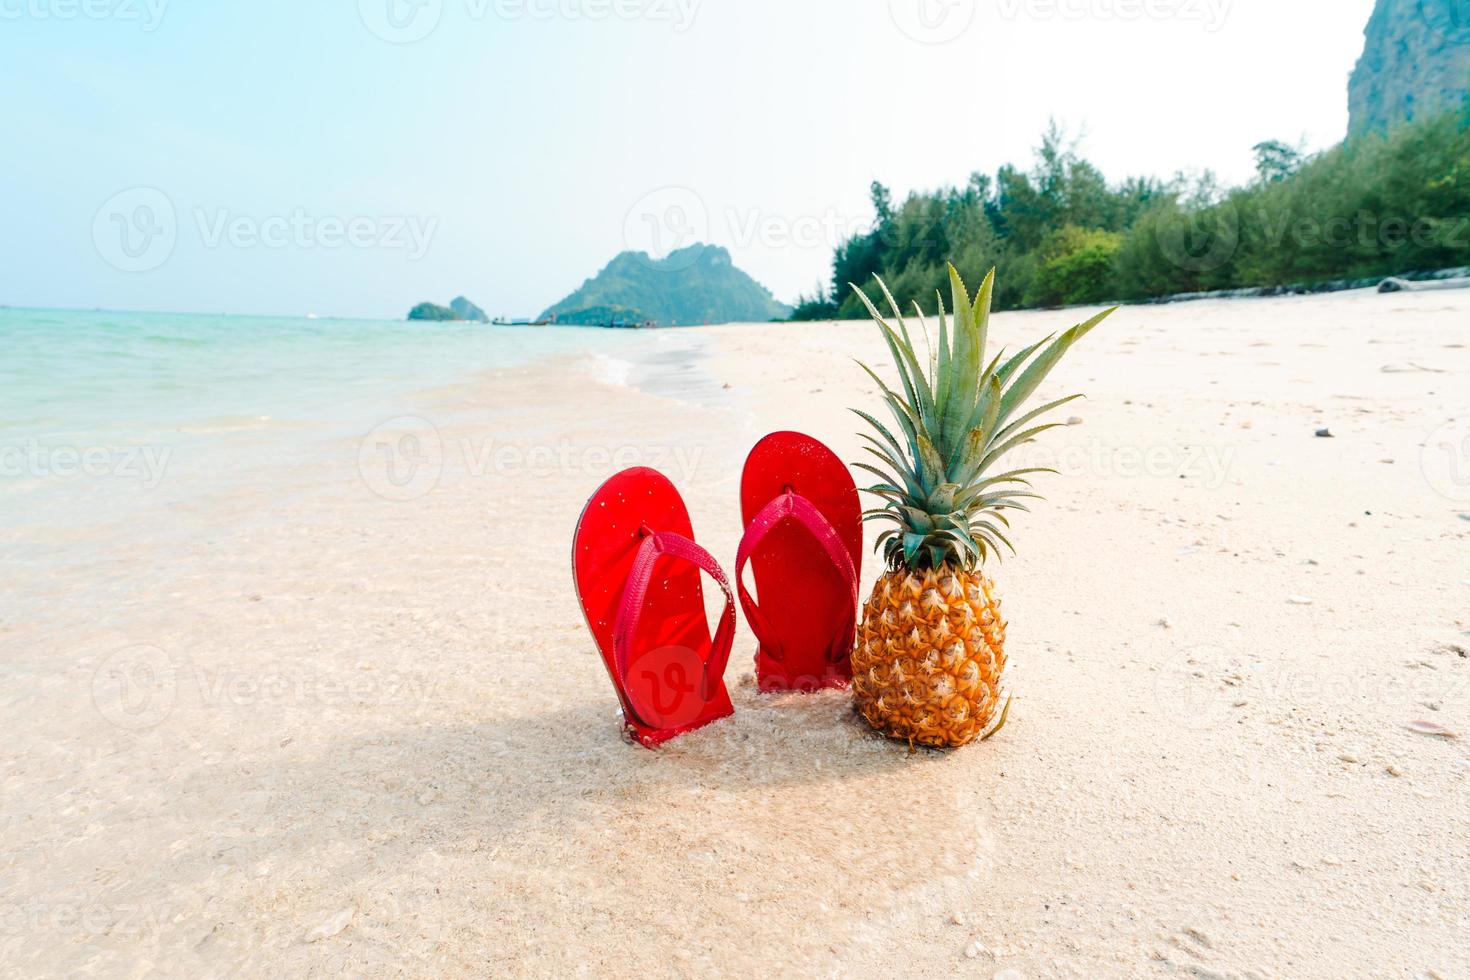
693,285
465,310
459,308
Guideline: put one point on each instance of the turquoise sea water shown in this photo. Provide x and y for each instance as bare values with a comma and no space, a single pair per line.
73,375
96,407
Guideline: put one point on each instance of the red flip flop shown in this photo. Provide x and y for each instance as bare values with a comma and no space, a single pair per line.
637,569
804,540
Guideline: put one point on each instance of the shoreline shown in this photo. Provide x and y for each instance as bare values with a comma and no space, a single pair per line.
346,717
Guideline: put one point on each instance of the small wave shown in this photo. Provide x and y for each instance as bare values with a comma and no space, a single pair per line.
175,340
232,423
614,370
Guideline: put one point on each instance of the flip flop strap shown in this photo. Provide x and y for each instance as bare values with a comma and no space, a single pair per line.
640,577
793,506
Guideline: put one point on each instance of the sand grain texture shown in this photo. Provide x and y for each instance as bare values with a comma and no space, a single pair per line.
310,731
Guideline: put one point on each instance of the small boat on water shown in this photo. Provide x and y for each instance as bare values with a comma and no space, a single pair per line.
611,323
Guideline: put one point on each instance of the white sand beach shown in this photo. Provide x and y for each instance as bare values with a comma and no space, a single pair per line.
341,716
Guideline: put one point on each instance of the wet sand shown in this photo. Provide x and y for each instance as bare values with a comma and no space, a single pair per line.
343,718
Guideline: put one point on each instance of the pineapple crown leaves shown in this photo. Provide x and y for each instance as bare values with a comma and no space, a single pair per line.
952,423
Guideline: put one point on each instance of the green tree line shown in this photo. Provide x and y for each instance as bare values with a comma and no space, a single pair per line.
1062,234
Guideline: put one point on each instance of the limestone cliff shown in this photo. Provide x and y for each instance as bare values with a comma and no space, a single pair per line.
1415,63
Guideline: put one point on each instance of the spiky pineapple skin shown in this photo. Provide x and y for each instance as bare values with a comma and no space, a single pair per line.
930,656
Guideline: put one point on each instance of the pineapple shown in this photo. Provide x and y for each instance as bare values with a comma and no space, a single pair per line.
930,658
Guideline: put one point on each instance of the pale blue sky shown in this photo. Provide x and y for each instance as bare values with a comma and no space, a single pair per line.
313,166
